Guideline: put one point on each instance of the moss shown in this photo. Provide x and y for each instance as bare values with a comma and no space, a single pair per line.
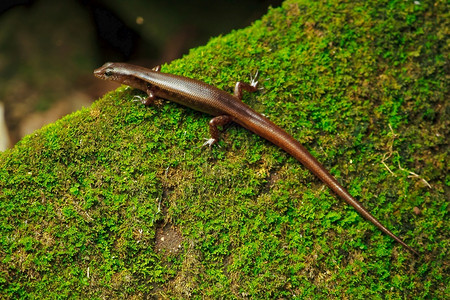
362,84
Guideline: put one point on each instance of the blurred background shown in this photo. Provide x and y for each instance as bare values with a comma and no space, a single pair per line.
49,48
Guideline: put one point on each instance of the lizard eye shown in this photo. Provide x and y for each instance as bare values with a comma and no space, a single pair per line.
109,72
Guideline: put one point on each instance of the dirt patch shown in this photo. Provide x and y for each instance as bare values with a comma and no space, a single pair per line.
168,239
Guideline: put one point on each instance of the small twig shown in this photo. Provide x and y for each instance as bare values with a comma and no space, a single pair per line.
159,206
414,175
387,155
385,165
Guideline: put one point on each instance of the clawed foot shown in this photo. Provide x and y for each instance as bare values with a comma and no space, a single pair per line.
144,100
253,81
137,98
209,142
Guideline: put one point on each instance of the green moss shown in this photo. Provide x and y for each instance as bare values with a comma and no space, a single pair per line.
84,201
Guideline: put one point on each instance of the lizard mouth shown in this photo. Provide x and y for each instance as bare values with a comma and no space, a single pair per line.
98,73
104,72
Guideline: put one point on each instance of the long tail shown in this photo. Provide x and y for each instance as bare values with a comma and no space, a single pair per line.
314,166
268,130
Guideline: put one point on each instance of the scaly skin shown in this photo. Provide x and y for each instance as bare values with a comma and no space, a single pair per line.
227,108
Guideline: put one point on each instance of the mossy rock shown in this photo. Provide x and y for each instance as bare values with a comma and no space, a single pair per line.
119,200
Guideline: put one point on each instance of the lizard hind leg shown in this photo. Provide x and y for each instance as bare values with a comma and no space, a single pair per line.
214,131
249,87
